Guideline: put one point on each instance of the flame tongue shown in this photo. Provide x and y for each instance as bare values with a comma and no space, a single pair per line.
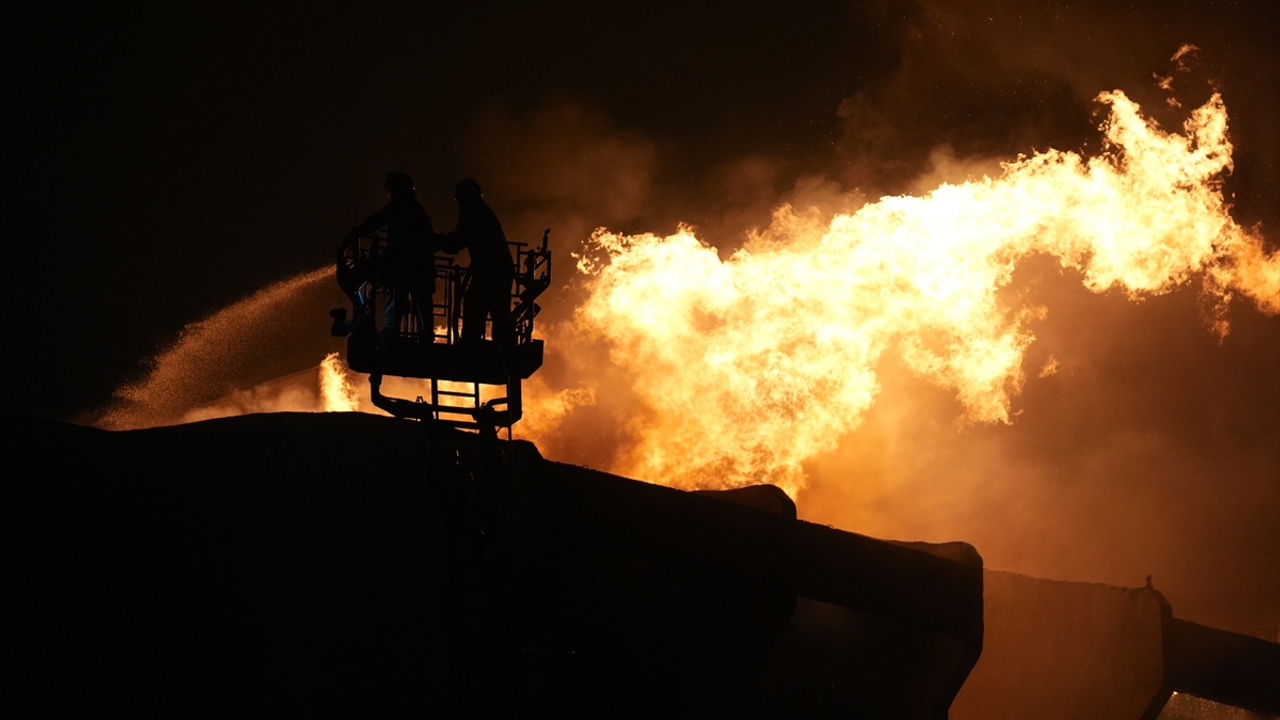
753,364
337,393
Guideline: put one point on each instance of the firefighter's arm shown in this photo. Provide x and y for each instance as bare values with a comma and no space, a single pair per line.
370,225
451,242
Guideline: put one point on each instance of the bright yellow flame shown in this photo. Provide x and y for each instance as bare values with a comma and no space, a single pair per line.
337,394
750,365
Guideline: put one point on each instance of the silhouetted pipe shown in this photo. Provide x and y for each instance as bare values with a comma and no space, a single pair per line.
662,525
822,563
1222,666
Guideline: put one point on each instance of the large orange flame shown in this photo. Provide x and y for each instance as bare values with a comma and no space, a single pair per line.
748,366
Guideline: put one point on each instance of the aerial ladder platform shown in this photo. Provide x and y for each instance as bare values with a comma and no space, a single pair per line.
473,385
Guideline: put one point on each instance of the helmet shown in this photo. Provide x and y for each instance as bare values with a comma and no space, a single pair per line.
398,182
467,189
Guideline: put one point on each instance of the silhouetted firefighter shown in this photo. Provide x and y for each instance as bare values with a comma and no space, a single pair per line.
488,294
403,259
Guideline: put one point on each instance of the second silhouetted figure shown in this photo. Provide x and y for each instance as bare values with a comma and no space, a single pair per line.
489,293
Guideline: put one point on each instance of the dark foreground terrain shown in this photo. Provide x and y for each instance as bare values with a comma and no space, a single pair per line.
339,564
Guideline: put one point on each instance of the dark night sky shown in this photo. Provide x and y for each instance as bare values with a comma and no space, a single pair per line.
163,161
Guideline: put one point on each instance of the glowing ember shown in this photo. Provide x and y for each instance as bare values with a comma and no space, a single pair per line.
746,367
